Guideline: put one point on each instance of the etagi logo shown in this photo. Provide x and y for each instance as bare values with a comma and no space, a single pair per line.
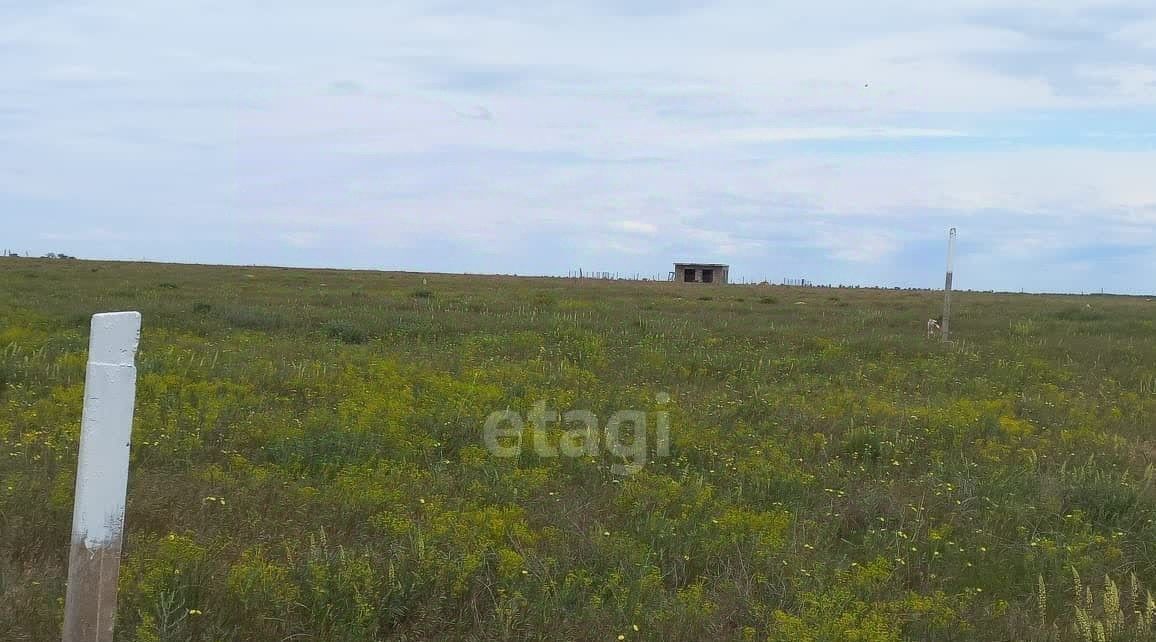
626,433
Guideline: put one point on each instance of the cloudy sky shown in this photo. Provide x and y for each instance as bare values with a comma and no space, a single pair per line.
832,140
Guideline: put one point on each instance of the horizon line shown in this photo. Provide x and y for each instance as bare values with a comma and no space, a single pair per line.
745,281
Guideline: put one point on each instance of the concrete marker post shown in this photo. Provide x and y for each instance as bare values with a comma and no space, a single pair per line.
101,478
946,326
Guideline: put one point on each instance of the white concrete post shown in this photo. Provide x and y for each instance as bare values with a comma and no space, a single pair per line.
945,327
101,478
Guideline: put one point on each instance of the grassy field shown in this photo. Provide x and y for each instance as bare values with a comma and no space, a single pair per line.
309,460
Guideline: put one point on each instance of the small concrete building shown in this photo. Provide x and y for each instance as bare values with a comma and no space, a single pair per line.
701,273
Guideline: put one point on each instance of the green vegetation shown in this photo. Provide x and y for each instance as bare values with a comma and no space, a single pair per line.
308,461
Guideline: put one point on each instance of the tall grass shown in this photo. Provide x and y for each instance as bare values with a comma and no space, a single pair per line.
308,459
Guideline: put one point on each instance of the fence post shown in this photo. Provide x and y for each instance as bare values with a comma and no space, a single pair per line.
101,478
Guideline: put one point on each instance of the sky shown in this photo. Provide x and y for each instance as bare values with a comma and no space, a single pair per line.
829,140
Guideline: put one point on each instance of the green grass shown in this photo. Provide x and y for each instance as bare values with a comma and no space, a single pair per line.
308,459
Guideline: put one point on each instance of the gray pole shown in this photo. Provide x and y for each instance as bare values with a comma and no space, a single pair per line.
947,285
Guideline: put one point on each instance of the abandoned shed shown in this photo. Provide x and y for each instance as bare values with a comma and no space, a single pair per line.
701,273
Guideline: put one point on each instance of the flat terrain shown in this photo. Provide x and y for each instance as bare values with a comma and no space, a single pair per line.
309,459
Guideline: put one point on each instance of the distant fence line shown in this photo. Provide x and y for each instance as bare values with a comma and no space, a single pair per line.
801,283
582,273
612,276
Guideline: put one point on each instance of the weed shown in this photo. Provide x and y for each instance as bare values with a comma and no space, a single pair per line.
345,332
1080,314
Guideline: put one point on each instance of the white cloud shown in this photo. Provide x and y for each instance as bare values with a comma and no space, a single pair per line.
638,227
856,246
1139,33
301,239
1129,80
795,134
725,128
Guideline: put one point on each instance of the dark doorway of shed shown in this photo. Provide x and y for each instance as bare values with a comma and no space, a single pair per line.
708,276
688,275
